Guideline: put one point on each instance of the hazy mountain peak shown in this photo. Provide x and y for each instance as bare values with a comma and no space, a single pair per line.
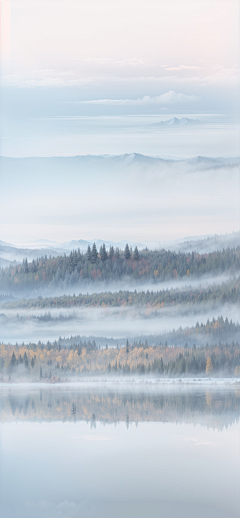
183,121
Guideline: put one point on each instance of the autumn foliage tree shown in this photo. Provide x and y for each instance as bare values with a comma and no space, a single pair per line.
209,366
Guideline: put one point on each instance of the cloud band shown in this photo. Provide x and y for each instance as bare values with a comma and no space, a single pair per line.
170,97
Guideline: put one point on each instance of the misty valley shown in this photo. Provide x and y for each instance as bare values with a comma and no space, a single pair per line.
119,259
119,368
188,318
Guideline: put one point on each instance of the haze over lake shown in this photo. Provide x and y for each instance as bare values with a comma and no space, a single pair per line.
104,450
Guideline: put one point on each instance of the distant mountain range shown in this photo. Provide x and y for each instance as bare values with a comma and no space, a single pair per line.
59,165
184,121
203,244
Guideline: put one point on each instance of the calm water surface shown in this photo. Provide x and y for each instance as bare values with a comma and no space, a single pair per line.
119,450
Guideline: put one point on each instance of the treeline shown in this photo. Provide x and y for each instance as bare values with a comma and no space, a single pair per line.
226,292
213,332
54,363
93,266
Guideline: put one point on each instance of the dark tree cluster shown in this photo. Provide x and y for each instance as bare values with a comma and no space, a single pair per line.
113,265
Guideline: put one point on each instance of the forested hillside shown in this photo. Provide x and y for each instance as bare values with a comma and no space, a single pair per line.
154,300
99,266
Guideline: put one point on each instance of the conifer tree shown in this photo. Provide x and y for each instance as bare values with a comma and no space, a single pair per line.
161,365
71,260
13,361
127,254
26,268
89,253
103,252
34,266
111,252
75,259
94,253
136,255
25,359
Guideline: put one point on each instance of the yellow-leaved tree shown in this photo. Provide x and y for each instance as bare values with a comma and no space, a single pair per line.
209,366
237,371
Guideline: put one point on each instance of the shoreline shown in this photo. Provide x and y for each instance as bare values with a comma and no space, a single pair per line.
203,382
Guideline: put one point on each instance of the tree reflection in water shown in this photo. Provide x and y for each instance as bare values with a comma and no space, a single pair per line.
215,407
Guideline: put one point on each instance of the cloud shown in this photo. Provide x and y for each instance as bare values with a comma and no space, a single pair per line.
170,97
223,75
181,67
44,78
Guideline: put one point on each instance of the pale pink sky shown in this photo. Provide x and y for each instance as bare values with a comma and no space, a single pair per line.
72,42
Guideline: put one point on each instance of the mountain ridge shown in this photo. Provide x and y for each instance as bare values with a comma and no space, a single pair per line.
184,121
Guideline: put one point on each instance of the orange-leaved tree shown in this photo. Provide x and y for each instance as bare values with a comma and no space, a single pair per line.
209,366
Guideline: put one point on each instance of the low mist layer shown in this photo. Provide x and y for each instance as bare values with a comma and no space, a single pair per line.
133,197
108,322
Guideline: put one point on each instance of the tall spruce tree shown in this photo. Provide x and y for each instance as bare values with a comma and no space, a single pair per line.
89,253
103,252
71,260
25,359
127,254
94,253
34,266
26,268
135,254
161,366
75,259
111,252
13,361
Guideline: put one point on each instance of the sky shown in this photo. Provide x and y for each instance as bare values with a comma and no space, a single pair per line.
130,54
97,76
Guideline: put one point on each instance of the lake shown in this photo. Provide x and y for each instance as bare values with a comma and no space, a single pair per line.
114,450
